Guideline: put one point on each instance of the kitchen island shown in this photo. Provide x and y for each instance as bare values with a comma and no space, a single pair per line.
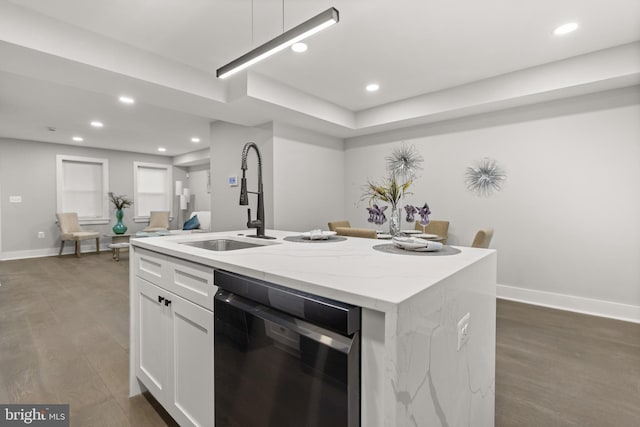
420,364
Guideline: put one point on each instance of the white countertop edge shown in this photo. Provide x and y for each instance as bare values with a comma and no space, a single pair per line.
297,261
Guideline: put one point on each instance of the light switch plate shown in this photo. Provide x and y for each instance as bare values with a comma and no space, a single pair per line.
15,199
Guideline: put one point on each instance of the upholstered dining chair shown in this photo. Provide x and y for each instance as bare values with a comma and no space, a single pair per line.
158,221
356,232
441,228
335,224
483,238
70,230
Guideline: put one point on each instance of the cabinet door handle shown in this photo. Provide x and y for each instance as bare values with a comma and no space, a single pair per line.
160,299
167,302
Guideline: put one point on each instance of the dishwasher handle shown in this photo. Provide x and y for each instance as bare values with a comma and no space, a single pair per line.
323,336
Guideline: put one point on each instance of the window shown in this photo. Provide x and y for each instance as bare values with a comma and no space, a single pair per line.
82,186
152,189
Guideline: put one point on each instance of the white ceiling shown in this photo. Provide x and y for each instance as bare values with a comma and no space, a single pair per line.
410,47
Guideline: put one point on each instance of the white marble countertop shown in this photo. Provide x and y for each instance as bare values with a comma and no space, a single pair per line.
348,270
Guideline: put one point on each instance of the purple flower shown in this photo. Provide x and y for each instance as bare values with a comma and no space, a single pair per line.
424,213
381,217
372,214
376,214
411,211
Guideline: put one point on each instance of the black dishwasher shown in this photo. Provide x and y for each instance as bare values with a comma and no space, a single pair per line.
283,357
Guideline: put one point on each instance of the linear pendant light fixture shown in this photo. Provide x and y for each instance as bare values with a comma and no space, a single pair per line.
284,40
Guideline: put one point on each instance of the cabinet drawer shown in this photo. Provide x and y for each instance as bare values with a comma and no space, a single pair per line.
191,281
151,266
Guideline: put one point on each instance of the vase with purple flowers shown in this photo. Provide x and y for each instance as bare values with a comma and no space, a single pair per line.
402,166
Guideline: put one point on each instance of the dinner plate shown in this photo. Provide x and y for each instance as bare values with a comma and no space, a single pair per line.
427,236
318,234
384,236
413,231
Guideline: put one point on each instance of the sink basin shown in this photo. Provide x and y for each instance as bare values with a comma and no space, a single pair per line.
223,244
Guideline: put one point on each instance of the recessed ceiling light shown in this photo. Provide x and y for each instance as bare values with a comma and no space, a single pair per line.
127,100
195,139
566,28
77,139
372,87
162,149
97,124
299,47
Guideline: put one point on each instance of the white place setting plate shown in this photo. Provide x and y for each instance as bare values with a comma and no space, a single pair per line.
384,236
414,231
317,234
416,244
427,236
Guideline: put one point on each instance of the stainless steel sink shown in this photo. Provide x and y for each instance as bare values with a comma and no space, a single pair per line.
223,244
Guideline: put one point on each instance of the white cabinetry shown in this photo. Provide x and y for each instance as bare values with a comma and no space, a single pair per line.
174,336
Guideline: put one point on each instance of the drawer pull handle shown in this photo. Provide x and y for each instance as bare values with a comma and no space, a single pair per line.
160,299
167,302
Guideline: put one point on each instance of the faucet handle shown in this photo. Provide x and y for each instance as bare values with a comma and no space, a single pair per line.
256,223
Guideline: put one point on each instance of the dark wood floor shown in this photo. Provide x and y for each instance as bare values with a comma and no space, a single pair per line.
64,339
557,368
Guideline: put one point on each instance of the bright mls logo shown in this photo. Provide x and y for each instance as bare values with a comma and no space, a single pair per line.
36,415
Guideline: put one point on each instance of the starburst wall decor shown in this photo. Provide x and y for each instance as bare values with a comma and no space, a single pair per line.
485,178
404,162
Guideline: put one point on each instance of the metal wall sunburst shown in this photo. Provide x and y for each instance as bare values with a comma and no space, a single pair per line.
404,162
486,178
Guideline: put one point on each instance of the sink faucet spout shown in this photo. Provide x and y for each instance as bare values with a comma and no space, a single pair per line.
258,223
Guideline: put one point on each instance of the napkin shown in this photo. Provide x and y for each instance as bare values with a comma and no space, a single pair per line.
317,235
417,244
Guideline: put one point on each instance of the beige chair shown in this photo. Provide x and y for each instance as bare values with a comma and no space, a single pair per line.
483,238
356,232
335,224
158,221
441,228
70,230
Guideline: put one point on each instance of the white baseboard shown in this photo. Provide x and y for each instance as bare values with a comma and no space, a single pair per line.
39,253
594,307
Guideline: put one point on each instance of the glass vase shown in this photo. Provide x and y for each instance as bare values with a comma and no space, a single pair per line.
119,228
395,218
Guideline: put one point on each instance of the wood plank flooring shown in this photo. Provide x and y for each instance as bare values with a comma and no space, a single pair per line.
557,368
64,338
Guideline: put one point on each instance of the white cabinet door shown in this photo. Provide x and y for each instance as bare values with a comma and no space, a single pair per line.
191,360
151,366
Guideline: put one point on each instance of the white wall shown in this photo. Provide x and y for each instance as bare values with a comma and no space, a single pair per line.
308,179
303,174
197,183
567,221
227,141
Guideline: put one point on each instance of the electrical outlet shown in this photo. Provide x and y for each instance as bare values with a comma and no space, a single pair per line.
463,330
40,234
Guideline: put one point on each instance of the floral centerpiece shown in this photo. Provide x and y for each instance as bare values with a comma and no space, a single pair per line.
402,166
119,202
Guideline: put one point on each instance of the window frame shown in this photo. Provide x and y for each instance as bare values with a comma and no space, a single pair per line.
104,164
169,194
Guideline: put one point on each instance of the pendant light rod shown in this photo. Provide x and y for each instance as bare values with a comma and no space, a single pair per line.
284,40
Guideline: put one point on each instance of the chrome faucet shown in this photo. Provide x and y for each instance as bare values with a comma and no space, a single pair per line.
258,223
